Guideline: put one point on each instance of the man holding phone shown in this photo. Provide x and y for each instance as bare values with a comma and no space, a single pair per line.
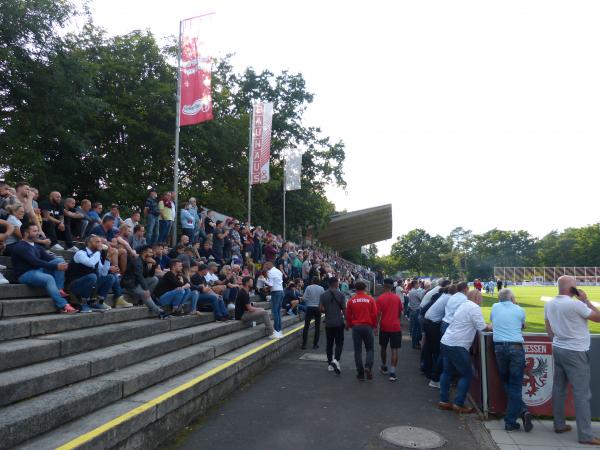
566,323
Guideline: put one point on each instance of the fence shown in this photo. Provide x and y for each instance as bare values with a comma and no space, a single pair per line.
547,275
487,390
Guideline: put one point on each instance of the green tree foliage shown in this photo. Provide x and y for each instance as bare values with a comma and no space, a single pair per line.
93,116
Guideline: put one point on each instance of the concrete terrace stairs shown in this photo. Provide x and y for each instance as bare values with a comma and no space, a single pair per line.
64,375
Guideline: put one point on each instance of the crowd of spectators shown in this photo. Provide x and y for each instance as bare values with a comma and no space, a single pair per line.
136,259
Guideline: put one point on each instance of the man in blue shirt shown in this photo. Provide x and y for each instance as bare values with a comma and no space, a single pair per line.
508,321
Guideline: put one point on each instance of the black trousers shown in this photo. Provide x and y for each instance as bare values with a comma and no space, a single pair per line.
51,231
312,312
334,335
431,350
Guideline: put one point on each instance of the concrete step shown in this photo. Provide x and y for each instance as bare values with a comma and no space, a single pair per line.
21,327
152,423
26,382
8,291
23,306
88,339
29,418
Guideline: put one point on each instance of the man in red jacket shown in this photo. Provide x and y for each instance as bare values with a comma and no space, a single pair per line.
361,316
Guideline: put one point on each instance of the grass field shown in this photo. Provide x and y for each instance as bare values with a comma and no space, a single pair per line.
528,297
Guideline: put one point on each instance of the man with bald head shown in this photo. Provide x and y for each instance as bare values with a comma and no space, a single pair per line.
455,345
566,323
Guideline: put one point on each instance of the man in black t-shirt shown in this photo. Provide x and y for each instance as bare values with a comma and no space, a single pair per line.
245,312
53,221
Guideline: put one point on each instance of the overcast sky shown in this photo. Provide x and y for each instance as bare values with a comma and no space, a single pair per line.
478,114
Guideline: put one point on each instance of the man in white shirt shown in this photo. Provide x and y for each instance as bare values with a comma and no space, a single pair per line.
455,345
566,323
132,221
430,293
275,282
453,303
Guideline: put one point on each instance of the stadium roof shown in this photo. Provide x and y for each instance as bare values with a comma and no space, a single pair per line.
351,230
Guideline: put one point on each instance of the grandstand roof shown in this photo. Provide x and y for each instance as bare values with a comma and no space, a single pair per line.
351,230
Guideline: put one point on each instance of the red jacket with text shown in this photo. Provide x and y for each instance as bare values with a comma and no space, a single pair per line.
361,310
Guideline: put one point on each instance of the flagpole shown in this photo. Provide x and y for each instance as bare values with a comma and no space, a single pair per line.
284,181
177,123
250,117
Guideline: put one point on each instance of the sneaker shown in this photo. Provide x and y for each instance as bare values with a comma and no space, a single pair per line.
68,309
163,315
512,427
290,313
330,368
434,384
368,373
393,377
63,293
85,309
315,347
383,370
274,335
121,303
3,267
100,307
527,423
279,334
57,247
360,377
73,249
336,366
303,347
3,280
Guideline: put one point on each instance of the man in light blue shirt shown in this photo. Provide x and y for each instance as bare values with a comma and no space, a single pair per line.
508,321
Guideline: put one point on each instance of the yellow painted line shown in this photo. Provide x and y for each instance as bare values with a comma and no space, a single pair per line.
80,440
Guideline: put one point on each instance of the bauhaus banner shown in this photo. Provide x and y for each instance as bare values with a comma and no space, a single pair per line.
262,119
293,169
196,65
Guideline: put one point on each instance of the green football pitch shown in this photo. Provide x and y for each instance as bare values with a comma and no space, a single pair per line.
530,299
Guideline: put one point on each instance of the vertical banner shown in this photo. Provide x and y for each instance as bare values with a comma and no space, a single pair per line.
195,72
262,119
293,169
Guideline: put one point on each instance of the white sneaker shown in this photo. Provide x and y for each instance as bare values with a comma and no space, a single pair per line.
3,280
279,334
57,247
336,366
3,267
274,335
434,384
330,368
74,249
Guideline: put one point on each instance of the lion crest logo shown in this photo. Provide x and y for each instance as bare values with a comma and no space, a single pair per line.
538,374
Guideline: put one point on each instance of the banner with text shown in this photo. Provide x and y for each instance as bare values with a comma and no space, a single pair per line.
262,119
293,169
195,76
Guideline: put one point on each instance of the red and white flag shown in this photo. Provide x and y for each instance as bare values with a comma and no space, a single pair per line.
195,77
262,119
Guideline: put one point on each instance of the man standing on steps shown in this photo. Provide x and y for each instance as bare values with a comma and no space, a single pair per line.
275,282
567,325
508,320
312,296
333,304
455,345
389,311
361,316
245,312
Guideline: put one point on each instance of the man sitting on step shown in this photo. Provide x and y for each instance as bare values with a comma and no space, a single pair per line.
246,312
35,267
91,269
172,290
139,280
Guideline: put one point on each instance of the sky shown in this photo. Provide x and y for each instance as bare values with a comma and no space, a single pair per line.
478,114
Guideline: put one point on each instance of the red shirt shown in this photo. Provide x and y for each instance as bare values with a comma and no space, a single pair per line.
361,310
389,306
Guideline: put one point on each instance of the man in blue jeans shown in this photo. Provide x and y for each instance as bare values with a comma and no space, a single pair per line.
275,282
35,267
455,345
508,320
151,212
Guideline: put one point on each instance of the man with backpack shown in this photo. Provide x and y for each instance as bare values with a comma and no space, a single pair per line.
333,304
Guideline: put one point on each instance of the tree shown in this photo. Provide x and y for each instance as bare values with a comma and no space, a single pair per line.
419,252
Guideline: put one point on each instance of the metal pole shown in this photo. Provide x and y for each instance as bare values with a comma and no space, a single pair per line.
284,177
177,123
484,375
250,120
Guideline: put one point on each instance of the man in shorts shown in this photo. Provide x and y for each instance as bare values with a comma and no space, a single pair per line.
389,311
